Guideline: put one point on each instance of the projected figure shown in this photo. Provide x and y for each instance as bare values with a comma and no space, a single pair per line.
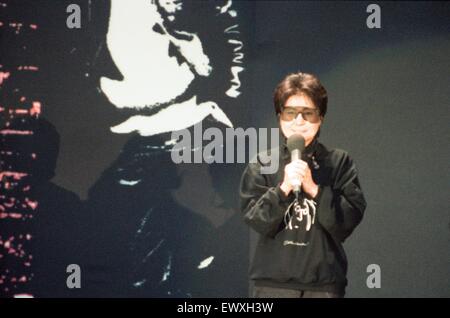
44,233
159,62
179,64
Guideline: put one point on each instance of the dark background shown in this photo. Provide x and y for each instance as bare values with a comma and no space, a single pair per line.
388,107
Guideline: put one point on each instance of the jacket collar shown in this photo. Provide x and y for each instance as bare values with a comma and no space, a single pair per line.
313,149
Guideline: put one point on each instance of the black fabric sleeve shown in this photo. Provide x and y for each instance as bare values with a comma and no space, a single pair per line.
341,205
263,207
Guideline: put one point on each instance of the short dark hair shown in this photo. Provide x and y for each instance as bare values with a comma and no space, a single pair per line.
301,83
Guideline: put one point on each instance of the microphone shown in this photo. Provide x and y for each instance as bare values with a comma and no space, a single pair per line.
296,145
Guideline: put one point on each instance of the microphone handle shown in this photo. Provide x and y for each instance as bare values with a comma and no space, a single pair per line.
296,154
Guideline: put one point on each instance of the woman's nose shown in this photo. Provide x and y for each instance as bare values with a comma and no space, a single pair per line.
299,119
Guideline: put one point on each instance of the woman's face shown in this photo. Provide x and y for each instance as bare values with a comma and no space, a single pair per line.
292,121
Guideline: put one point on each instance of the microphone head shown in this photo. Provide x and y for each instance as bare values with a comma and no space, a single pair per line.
296,141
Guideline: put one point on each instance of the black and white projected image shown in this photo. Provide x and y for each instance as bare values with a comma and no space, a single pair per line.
179,65
115,90
156,47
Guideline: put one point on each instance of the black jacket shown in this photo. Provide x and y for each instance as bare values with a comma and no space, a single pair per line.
303,249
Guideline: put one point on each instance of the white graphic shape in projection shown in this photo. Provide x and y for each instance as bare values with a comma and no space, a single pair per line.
138,42
150,75
183,115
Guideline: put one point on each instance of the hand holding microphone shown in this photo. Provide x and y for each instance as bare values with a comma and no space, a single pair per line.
294,173
297,174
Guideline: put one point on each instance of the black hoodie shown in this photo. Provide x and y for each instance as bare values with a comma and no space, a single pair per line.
302,250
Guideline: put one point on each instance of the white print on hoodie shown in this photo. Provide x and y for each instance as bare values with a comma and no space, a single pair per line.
307,209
